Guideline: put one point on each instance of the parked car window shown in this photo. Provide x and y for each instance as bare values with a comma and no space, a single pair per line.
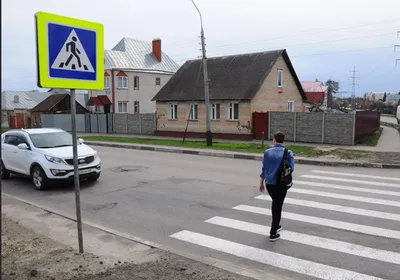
51,140
11,140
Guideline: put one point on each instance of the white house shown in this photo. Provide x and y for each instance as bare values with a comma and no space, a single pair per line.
134,72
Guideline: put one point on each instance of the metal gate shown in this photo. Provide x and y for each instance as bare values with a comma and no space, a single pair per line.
260,125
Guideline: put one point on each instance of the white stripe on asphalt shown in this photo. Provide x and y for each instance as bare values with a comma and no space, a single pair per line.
270,258
346,188
324,222
337,208
348,197
356,175
315,241
351,181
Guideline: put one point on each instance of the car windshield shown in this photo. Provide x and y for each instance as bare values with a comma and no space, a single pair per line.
51,140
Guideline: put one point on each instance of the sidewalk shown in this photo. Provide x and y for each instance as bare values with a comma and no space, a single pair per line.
387,142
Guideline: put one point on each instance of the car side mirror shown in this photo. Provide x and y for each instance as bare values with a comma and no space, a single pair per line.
81,140
23,146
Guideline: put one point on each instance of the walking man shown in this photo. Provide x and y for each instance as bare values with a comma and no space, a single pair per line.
270,172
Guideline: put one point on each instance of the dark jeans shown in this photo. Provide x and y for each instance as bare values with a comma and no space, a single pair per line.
278,196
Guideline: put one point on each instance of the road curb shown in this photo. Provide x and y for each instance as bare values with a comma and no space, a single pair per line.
258,157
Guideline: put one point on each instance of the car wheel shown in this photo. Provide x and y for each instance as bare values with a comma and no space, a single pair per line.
39,178
94,177
5,174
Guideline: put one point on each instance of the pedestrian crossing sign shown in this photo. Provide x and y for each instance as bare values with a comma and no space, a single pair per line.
70,52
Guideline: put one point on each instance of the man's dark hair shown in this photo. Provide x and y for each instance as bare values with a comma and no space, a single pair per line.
279,137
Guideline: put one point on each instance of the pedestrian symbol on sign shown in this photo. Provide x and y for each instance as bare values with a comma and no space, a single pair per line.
72,56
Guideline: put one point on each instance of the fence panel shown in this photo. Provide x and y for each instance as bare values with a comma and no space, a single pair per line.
309,127
102,123
339,129
63,121
283,122
148,124
367,122
94,123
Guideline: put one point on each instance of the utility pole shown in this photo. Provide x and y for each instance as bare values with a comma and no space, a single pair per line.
397,60
206,81
353,85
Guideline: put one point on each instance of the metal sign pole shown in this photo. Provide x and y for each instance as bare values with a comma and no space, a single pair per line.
76,171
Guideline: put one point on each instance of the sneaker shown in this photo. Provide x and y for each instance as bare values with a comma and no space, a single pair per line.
274,237
279,229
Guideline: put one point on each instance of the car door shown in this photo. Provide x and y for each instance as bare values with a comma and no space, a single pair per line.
23,158
10,149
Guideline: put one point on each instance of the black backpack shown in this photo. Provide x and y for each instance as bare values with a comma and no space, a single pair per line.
285,172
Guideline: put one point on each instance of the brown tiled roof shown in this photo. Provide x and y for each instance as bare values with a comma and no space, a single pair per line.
49,103
236,77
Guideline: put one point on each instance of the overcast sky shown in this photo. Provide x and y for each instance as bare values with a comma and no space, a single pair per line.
324,39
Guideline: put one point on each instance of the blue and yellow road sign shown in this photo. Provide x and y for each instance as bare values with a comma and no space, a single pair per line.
70,52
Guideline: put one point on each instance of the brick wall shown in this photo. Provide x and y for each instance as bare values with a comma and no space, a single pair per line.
326,128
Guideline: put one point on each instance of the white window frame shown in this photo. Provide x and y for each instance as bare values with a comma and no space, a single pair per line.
106,82
279,82
290,106
194,114
173,111
214,110
121,106
122,82
231,111
136,80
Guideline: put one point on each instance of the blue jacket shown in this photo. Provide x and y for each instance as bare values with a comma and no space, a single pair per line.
272,161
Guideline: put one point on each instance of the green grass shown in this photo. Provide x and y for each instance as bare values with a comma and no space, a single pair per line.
236,147
371,140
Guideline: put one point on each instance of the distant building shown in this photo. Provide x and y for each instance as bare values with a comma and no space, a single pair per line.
392,98
316,92
134,72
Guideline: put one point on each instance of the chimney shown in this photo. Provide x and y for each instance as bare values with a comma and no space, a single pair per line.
16,99
157,48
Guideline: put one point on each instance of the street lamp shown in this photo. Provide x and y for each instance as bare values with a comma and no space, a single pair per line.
206,81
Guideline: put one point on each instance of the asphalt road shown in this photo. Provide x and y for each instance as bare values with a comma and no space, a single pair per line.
339,223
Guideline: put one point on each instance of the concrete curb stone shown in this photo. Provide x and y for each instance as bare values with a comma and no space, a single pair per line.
232,155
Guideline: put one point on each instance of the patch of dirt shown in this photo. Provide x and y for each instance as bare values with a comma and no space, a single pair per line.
27,256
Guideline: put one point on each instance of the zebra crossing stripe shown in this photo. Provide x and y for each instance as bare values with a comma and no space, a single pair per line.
315,241
372,183
346,188
324,222
348,197
270,258
337,208
356,175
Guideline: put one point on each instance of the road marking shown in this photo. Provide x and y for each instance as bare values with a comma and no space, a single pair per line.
337,208
351,181
346,188
348,197
315,241
281,261
324,222
356,175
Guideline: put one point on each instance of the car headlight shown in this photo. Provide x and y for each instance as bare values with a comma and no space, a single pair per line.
96,155
54,159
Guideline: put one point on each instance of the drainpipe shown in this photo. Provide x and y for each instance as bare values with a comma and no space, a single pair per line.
113,90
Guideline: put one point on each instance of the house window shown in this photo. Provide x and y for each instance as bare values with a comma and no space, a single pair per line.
280,78
215,111
158,81
234,111
173,111
123,107
290,106
136,107
122,82
106,82
194,112
136,83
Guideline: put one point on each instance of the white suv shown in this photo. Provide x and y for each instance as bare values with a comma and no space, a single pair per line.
45,154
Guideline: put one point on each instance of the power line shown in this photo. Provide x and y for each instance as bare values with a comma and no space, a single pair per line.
294,35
